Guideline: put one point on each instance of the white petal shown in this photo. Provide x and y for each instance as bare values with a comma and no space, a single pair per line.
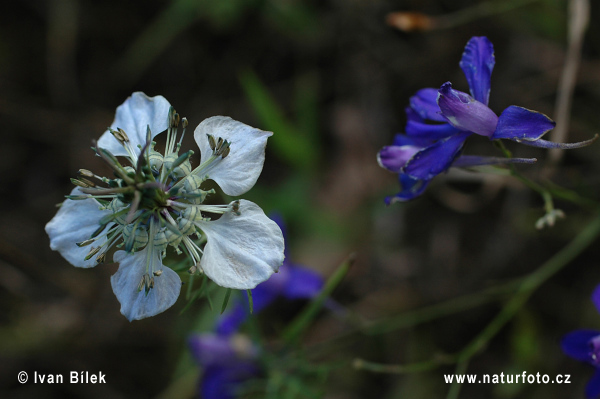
238,171
136,305
134,116
74,222
242,251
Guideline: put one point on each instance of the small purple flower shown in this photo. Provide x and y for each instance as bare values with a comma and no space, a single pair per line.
439,122
291,282
584,345
228,361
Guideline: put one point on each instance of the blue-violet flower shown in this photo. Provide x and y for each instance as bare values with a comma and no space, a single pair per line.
439,122
227,361
158,202
228,358
584,345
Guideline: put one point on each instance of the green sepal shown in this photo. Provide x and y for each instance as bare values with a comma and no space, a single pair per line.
250,302
226,300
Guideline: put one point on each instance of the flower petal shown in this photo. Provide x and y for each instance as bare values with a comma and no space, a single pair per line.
262,296
592,389
231,321
466,113
435,159
134,116
429,131
521,124
238,171
135,304
403,139
393,158
210,349
410,189
477,63
577,344
302,283
74,222
466,161
224,382
424,103
242,250
278,218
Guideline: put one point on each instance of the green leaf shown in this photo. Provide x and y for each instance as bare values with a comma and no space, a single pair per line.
291,144
250,302
226,300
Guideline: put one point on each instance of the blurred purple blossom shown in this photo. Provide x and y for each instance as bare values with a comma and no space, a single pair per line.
584,345
228,358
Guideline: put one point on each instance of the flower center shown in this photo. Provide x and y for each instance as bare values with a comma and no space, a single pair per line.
155,202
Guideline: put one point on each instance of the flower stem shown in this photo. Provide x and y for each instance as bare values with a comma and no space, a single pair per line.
525,288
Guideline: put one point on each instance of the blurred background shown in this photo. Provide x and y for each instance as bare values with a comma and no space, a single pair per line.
331,79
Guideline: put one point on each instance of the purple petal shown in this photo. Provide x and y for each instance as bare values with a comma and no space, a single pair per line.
303,283
592,389
596,298
410,189
231,321
403,139
278,218
424,103
435,159
224,382
577,344
393,158
265,294
521,124
209,349
477,63
465,161
466,113
429,131
412,115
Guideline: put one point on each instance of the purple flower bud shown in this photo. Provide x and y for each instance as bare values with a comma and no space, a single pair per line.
393,158
465,113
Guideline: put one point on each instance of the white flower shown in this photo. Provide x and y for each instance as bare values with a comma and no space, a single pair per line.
158,201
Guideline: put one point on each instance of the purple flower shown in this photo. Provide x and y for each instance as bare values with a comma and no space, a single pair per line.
291,282
228,361
228,358
584,345
439,122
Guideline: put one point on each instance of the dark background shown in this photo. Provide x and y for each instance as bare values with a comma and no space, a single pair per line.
340,78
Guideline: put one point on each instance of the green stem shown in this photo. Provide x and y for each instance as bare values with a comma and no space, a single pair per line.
361,364
526,288
447,308
551,189
530,284
461,368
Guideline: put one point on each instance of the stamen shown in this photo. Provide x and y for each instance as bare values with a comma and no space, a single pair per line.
86,173
92,252
83,183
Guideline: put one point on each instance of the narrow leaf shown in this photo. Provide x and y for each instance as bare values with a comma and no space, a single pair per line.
226,300
250,302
